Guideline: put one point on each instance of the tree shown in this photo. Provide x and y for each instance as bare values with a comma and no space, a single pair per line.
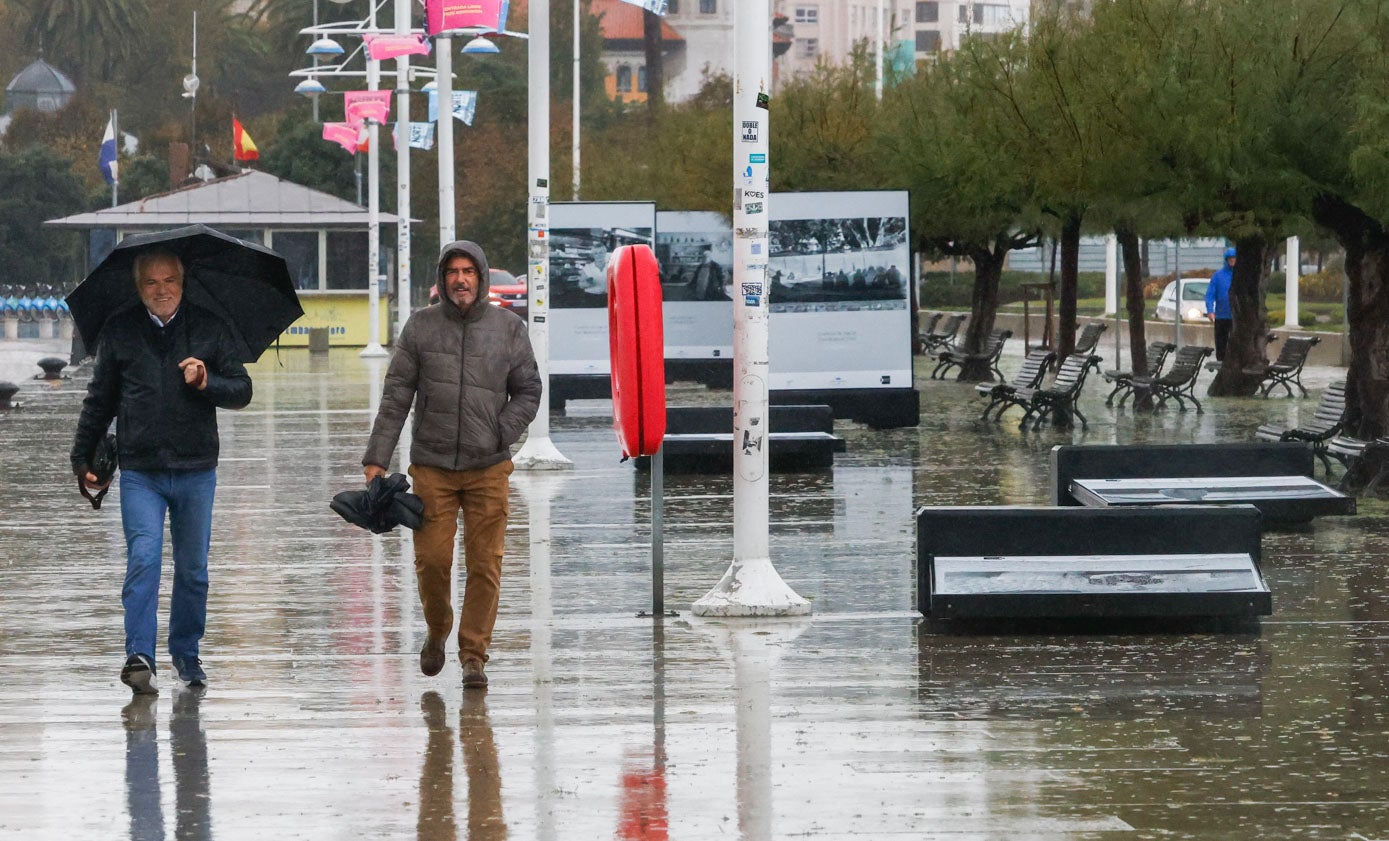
654,50
91,36
39,185
299,153
941,131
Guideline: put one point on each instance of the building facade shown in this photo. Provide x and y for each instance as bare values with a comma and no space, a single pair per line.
697,37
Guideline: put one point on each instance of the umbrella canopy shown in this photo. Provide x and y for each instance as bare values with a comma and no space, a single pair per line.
248,285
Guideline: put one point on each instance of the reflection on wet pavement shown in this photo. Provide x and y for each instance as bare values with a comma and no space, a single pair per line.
859,721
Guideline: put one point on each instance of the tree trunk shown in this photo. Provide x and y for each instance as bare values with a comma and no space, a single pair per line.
1133,300
1367,315
988,268
1070,285
655,79
1245,354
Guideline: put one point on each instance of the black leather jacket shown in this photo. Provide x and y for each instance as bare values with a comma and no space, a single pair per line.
162,422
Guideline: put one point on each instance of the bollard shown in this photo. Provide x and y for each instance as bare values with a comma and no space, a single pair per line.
11,328
65,329
48,329
52,368
7,391
318,340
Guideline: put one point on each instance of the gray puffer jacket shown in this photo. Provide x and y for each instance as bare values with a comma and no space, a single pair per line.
471,375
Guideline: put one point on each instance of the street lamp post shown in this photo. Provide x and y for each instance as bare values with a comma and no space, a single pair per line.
539,452
402,169
443,64
373,348
751,586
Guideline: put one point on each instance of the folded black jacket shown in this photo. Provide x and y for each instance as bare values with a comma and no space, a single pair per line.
162,422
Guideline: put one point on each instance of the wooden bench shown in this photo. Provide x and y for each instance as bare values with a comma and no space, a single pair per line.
1179,383
1287,368
699,439
1346,449
1029,376
1023,562
927,326
1123,380
943,335
955,356
1274,477
1089,337
1059,396
1325,424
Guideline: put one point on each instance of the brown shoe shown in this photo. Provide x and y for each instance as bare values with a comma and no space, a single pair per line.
432,655
473,675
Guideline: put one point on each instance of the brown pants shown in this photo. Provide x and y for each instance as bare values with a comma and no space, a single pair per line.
482,496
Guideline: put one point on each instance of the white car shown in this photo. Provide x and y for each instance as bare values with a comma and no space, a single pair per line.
1193,300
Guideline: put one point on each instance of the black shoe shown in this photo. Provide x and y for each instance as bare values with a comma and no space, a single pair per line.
138,674
190,671
432,655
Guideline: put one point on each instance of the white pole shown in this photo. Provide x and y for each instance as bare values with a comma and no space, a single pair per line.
443,52
1111,274
373,347
402,171
1292,270
751,586
1177,272
881,42
539,452
575,155
116,179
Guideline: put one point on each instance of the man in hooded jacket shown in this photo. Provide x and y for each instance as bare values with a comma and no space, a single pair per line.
1218,303
469,369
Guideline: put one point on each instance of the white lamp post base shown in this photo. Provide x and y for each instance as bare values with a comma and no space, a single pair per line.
540,453
373,351
751,588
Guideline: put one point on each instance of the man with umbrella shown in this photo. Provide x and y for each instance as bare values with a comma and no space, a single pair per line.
164,365
469,369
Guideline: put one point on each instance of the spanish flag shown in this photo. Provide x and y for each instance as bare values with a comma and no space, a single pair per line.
243,147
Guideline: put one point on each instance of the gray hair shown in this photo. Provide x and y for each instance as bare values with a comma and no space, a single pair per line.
155,255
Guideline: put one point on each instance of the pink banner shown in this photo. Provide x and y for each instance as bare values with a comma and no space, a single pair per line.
367,105
343,134
382,47
450,15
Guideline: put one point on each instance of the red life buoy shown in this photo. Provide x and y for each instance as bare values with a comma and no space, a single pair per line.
636,344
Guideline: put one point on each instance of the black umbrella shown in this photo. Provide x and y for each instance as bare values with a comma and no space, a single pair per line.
248,285
383,505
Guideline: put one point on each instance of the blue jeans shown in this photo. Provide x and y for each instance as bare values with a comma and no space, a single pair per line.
186,495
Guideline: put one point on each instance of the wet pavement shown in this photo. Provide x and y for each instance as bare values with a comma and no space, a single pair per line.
857,722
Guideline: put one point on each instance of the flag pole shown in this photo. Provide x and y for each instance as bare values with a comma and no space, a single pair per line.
115,170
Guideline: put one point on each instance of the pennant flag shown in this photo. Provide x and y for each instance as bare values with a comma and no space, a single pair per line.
363,139
343,134
367,105
106,158
381,47
464,106
243,147
657,6
421,135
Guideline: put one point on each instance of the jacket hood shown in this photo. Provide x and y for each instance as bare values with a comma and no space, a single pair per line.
473,251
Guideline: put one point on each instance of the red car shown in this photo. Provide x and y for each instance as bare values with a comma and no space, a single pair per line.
504,290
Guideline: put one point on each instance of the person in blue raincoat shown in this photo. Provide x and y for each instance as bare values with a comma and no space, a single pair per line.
1218,303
